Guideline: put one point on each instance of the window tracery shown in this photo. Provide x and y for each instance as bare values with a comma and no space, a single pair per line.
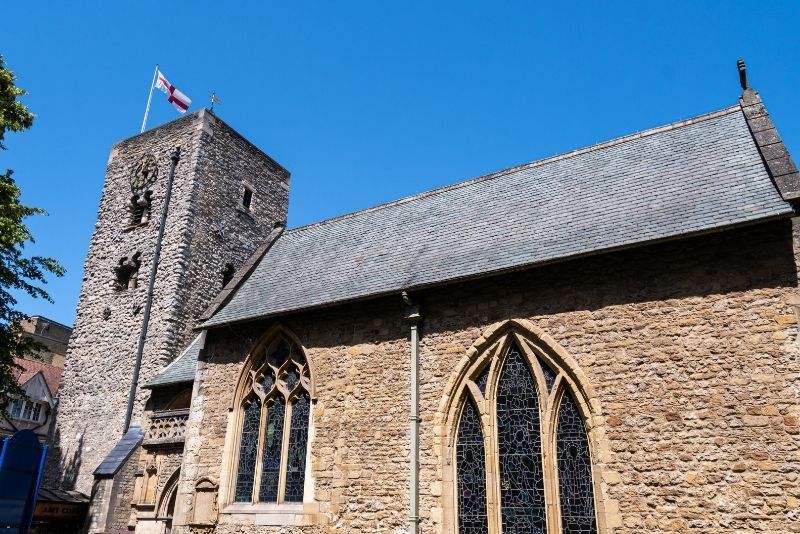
521,453
273,439
471,468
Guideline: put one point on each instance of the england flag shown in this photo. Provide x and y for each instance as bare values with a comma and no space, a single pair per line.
179,101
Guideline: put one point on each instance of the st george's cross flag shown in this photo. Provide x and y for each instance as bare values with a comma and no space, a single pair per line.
179,101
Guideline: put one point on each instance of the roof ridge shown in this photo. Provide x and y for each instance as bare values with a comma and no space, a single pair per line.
528,165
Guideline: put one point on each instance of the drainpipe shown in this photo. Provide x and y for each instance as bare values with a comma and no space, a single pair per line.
175,158
413,317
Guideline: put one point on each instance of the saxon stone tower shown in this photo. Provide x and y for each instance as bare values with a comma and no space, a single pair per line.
227,196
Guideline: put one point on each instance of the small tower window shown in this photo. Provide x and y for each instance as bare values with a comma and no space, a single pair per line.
139,207
126,272
227,274
247,197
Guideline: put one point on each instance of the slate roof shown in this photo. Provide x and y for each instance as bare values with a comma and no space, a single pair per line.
691,177
181,370
29,369
121,452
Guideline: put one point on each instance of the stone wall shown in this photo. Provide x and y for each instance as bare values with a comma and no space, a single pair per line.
690,350
206,229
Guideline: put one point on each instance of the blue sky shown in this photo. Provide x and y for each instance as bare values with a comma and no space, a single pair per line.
368,101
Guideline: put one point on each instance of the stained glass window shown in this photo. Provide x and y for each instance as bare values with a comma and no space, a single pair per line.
519,444
291,378
549,376
247,452
483,379
271,451
574,471
281,459
267,380
471,473
523,432
298,440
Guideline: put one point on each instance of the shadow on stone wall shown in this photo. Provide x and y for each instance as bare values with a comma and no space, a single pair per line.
61,470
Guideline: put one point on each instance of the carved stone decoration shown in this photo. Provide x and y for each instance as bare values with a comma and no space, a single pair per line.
167,427
144,173
126,271
204,507
150,485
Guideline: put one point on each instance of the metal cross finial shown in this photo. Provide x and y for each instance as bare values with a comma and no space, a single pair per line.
742,73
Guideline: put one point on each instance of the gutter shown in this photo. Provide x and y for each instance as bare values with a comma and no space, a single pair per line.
413,317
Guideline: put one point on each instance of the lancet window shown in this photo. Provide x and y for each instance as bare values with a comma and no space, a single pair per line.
139,207
273,437
521,452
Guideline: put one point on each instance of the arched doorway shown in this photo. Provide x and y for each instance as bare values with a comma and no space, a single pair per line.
166,507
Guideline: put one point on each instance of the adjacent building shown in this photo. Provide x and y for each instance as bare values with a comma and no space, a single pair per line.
53,335
39,379
34,410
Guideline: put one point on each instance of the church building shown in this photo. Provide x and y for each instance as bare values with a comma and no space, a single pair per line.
603,341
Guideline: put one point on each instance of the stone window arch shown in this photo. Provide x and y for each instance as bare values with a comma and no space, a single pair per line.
525,445
181,401
273,424
166,504
126,271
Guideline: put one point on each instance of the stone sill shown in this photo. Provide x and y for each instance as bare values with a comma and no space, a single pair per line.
135,226
273,514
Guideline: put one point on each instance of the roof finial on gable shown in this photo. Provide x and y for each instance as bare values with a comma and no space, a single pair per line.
742,73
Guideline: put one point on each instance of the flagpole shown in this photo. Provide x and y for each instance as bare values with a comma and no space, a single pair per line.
149,98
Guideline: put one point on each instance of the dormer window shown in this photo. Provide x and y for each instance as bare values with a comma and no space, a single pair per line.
26,410
139,207
247,197
126,272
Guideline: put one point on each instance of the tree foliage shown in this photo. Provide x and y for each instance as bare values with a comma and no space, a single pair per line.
18,272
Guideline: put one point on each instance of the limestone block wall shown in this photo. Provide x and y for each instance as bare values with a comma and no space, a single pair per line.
690,349
205,230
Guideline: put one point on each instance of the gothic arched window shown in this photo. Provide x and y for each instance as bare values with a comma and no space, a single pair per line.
273,436
521,450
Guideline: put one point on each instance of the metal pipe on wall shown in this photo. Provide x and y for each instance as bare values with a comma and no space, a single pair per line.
414,318
174,158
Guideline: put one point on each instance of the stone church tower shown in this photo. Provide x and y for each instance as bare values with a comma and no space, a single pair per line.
227,197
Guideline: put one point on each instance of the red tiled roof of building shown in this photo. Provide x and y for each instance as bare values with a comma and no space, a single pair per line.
51,373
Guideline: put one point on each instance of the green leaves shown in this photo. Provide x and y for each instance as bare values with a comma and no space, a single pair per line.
14,116
17,272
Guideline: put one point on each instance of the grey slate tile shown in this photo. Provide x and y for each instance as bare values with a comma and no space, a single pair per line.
181,369
121,452
684,179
